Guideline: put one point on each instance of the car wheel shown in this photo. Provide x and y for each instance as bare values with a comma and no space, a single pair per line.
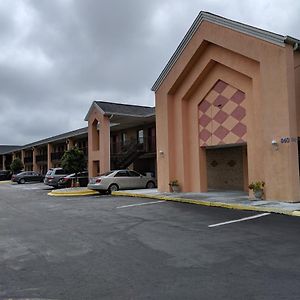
22,181
150,185
113,188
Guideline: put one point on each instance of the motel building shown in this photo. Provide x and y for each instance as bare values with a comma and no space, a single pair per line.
227,114
228,110
118,136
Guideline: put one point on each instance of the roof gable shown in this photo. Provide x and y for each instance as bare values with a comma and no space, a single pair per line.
267,36
109,108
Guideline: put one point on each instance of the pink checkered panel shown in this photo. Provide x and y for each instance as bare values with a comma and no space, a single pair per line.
222,116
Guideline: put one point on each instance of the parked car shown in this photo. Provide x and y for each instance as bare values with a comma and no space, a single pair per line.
53,175
82,178
28,176
5,175
120,180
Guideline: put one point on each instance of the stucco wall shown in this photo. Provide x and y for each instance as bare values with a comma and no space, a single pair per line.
98,160
247,63
297,87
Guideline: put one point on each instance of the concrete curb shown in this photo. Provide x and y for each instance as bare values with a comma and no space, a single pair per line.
57,193
5,181
211,203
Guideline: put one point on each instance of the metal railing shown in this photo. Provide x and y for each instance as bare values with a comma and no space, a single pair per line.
41,158
57,155
28,160
145,144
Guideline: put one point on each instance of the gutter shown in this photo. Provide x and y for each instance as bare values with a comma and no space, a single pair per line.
293,42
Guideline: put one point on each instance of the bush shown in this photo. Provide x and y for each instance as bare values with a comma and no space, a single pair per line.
16,166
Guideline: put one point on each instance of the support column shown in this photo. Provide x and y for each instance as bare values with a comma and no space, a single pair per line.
104,144
49,151
22,157
203,170
70,144
3,162
34,164
245,169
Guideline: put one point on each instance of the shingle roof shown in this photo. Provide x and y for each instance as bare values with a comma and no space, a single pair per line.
125,109
65,135
109,108
7,148
268,36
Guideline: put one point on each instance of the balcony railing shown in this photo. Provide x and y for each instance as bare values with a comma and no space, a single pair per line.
28,160
41,158
84,150
145,144
57,155
123,154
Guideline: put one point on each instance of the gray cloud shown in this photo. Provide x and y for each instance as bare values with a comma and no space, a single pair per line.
57,56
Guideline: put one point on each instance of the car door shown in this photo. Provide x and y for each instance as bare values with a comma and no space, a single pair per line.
35,176
27,176
136,180
122,179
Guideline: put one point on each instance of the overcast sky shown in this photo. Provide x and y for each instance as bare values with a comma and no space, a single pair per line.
57,56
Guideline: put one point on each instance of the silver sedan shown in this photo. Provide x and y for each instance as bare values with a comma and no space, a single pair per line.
120,180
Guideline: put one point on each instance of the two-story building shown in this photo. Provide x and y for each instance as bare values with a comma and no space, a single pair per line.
118,136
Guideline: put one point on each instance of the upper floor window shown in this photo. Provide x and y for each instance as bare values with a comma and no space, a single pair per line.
124,138
140,135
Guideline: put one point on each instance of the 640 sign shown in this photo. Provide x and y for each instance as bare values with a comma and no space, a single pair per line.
287,140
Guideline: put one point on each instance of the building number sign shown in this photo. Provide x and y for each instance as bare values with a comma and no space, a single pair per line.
287,140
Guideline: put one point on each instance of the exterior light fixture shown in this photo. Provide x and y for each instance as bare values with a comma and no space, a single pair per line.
275,145
161,152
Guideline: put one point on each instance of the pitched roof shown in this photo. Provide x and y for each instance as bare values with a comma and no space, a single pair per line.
7,148
65,135
109,108
267,36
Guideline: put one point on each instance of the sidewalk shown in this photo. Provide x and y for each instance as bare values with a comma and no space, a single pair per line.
226,199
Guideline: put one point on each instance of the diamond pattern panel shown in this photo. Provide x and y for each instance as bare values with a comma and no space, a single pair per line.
222,116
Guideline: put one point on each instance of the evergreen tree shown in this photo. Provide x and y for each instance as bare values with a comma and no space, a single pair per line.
73,161
16,166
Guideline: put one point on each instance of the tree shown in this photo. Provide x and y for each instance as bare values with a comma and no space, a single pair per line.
73,161
16,166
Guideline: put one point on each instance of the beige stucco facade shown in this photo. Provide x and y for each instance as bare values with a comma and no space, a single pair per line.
98,143
268,77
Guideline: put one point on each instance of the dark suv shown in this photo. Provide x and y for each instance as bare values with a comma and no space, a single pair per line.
5,175
53,175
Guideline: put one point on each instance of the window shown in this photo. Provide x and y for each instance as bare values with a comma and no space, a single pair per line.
60,172
122,174
134,174
123,138
140,134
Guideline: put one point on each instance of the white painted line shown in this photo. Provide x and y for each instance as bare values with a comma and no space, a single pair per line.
140,204
240,220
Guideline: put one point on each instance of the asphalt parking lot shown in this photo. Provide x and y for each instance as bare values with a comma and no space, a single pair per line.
105,247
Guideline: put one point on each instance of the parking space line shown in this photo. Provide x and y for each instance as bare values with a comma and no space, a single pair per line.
240,220
140,204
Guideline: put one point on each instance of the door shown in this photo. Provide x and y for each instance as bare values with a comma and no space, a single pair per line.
122,179
136,180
